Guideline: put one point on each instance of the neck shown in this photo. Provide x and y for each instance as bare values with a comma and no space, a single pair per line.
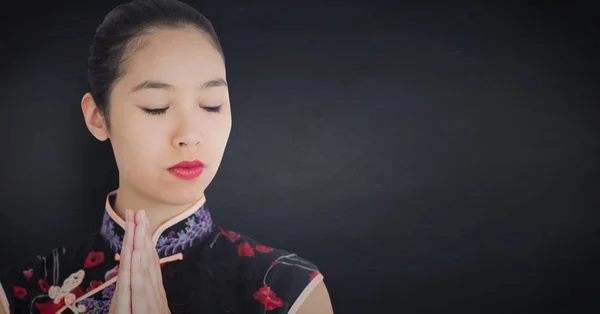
158,213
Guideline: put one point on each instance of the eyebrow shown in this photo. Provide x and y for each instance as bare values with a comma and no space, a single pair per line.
152,84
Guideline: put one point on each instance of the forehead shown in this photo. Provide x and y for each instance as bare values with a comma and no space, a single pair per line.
182,57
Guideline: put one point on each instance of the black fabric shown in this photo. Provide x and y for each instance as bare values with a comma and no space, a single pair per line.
221,272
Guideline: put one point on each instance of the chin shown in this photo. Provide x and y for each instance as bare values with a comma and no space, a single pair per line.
182,194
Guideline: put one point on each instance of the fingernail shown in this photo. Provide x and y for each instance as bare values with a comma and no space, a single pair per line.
147,221
142,228
143,216
127,215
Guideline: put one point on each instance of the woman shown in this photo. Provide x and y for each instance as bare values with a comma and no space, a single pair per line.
158,92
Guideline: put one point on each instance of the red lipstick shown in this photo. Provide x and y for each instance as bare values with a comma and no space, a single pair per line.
187,170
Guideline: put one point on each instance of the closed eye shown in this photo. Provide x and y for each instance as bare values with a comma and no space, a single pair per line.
158,111
155,111
216,109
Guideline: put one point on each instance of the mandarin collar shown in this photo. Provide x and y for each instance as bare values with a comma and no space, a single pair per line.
183,231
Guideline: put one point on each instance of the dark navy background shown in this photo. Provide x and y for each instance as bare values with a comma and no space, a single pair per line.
429,158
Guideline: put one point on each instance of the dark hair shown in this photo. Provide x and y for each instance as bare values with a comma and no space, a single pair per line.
120,34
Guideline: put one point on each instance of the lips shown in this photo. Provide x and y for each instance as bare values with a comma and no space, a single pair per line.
188,164
187,170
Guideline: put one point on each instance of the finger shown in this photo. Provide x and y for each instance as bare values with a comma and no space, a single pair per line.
141,244
139,298
141,234
154,273
154,289
149,264
151,292
138,270
124,274
153,262
139,222
127,249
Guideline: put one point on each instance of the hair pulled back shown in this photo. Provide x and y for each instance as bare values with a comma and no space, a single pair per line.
120,34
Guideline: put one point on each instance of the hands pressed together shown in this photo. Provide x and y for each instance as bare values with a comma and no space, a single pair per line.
139,287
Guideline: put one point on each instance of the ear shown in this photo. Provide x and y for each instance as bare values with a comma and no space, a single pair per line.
94,120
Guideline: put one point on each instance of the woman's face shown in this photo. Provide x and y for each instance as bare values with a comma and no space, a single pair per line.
178,70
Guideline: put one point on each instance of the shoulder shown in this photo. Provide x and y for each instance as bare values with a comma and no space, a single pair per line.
271,279
25,286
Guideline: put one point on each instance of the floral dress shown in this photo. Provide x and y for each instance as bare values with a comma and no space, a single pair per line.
206,269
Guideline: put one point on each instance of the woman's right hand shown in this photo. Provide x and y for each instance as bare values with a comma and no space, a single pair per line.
121,301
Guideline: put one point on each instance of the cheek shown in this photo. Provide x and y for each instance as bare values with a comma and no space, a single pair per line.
224,138
219,135
219,143
138,146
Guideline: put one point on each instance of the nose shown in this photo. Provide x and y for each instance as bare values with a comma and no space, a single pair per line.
188,135
188,140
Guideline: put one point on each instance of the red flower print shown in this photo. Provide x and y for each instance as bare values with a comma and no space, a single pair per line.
19,292
44,286
48,307
232,236
244,249
93,259
268,298
274,263
93,285
313,275
28,274
263,248
111,273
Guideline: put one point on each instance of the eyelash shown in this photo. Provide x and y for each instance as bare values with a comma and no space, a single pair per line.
160,111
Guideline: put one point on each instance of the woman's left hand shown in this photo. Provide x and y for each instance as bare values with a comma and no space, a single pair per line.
148,295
